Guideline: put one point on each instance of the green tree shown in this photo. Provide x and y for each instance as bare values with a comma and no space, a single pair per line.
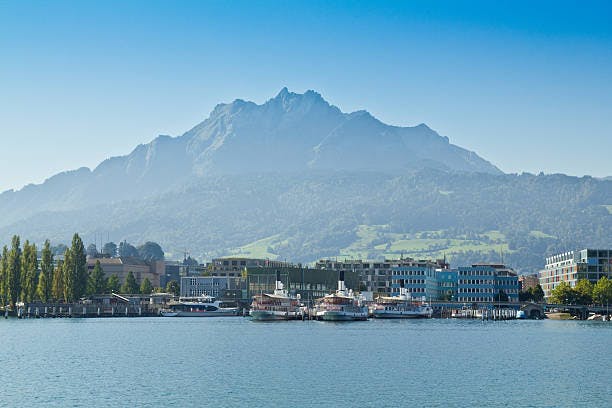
75,270
145,287
584,292
127,250
3,275
96,283
57,284
113,285
45,278
129,286
563,294
110,249
602,292
29,271
537,293
173,287
13,273
151,252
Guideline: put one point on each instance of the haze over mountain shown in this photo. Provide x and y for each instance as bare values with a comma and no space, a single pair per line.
305,180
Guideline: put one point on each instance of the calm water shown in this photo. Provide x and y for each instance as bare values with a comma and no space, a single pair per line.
235,362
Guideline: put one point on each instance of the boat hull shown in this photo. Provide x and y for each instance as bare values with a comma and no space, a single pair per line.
268,315
400,315
185,313
341,316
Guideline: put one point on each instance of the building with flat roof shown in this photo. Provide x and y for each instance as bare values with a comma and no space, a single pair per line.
572,266
234,266
124,265
194,286
484,282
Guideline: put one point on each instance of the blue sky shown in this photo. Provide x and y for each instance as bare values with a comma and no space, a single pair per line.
527,85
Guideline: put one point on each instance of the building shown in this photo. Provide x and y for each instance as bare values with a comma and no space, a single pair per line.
377,276
233,267
421,278
193,286
484,282
309,283
124,265
527,282
572,266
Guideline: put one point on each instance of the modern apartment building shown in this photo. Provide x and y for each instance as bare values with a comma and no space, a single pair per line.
572,266
484,282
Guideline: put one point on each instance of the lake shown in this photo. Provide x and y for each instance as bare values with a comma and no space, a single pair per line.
232,361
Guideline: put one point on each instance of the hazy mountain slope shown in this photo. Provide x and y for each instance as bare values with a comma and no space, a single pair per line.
289,133
320,214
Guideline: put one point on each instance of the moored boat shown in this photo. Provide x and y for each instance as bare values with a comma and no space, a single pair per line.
340,306
276,306
202,306
401,307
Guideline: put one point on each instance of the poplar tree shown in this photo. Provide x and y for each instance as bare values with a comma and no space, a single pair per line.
145,287
45,278
68,276
96,282
130,286
29,269
13,272
113,285
3,275
57,284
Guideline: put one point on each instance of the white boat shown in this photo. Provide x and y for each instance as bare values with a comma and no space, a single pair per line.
202,306
340,306
401,307
276,306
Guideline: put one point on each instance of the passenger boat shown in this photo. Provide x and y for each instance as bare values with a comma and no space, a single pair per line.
202,306
340,306
276,306
401,307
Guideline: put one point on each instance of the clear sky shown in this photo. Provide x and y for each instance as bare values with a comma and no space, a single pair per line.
527,85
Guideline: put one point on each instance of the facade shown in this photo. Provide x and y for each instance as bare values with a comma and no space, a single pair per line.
194,286
309,283
376,276
572,266
420,279
122,266
483,282
233,267
527,282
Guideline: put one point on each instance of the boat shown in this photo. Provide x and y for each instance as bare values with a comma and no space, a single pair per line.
201,306
401,307
276,306
340,306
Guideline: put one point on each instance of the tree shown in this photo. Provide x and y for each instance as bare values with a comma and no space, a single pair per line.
45,278
127,250
145,287
75,270
584,292
129,286
151,252
602,292
173,287
563,294
110,249
29,270
13,273
537,293
96,283
92,251
113,285
57,284
3,276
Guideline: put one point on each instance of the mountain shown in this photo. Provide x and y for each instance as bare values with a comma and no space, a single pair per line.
297,178
289,133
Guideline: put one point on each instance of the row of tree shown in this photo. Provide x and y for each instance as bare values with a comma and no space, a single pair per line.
534,294
24,278
584,293
149,251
